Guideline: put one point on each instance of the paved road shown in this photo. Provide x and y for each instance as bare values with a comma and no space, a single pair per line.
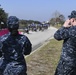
39,37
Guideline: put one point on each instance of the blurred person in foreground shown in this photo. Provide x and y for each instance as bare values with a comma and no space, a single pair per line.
13,47
67,62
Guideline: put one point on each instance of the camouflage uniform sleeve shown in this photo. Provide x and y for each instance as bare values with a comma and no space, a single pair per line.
27,47
62,33
1,45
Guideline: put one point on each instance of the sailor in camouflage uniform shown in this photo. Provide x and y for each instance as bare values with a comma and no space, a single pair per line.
13,47
67,62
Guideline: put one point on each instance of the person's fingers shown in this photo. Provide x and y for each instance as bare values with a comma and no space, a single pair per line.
74,23
66,24
69,25
67,21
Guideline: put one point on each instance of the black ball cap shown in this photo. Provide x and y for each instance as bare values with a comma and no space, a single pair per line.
12,22
73,14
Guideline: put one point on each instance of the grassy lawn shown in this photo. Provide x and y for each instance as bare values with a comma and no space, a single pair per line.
45,59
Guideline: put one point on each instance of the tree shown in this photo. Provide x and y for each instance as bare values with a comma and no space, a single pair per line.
25,23
62,18
52,21
58,18
3,18
56,14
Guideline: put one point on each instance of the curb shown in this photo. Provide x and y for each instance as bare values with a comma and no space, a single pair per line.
44,43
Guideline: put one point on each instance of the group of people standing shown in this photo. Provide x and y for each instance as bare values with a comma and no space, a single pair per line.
13,47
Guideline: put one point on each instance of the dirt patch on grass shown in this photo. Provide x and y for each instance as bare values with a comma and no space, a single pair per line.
44,60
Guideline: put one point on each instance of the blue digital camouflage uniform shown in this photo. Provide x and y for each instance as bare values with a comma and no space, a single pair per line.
13,49
67,62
